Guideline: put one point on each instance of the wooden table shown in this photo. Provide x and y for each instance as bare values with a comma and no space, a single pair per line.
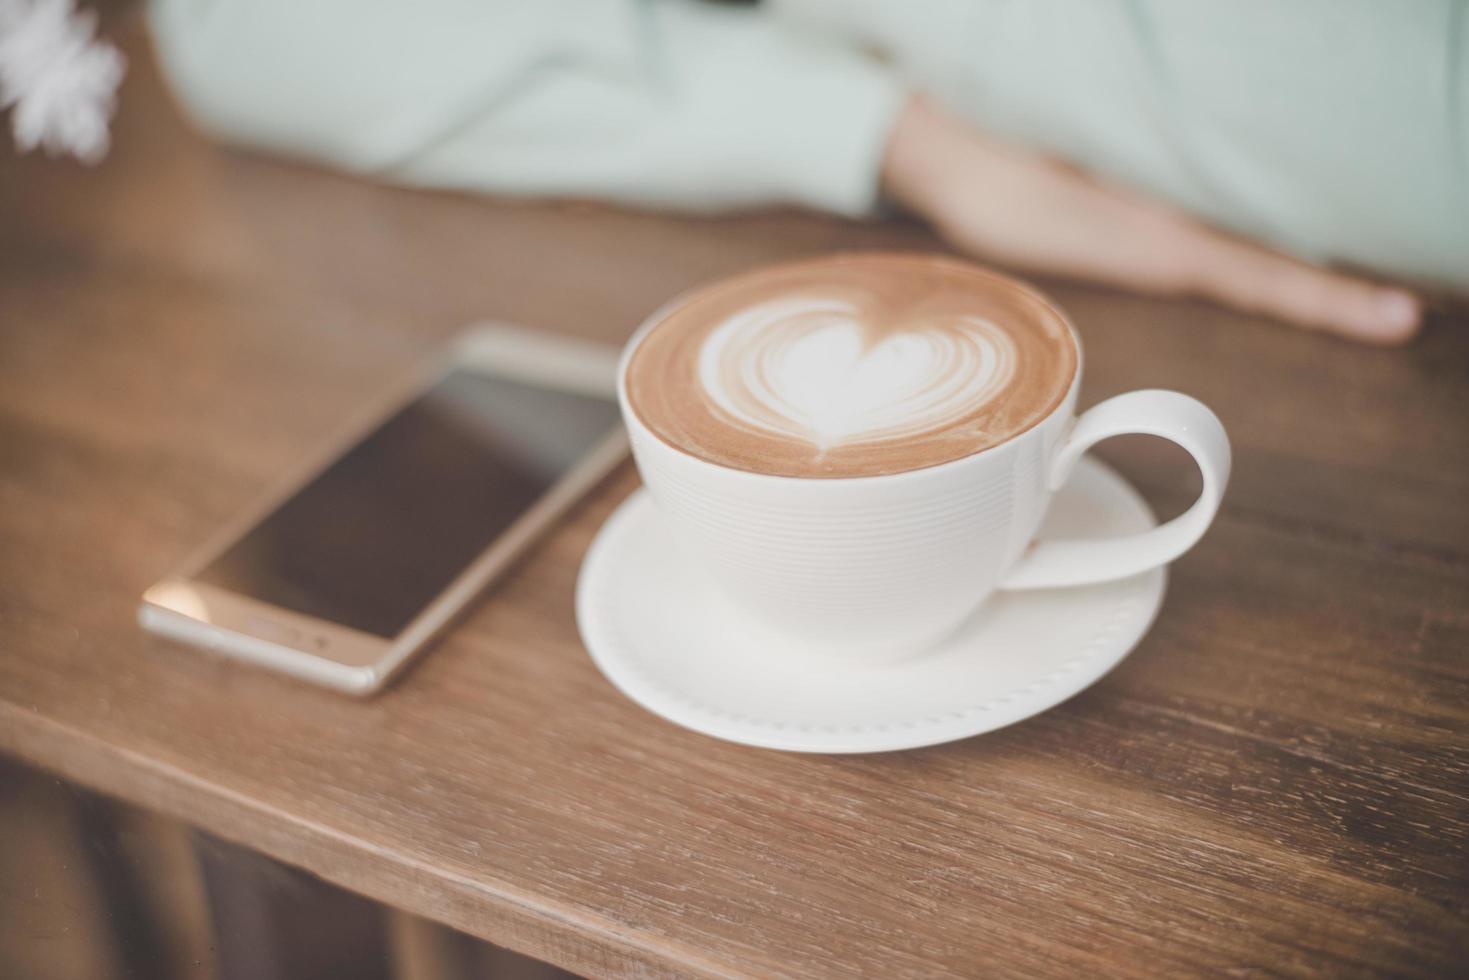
1274,781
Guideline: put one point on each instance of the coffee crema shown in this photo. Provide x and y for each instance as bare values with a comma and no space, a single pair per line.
854,365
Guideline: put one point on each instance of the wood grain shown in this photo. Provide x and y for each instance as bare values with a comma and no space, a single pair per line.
1274,782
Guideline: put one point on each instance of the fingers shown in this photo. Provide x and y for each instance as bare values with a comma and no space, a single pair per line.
1257,280
1063,221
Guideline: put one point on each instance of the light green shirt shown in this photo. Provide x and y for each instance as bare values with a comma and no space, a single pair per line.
1337,129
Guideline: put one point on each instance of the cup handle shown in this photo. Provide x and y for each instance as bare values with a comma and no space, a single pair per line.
1173,416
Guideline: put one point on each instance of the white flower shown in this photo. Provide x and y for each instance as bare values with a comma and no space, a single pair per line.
62,83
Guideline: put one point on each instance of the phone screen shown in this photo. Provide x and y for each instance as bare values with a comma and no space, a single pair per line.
384,529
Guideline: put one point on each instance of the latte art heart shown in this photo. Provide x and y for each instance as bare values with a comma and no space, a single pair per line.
811,367
850,366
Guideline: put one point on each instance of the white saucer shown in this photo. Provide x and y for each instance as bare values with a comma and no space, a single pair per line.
667,639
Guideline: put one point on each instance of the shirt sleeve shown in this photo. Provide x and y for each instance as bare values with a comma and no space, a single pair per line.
657,102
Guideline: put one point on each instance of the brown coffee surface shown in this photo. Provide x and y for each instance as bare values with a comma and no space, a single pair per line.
854,365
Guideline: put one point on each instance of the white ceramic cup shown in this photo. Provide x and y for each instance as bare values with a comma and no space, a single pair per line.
880,567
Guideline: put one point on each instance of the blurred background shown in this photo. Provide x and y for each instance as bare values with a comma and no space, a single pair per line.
96,888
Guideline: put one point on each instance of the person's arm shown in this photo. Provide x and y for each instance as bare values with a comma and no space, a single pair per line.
1333,129
1027,210
682,104
678,104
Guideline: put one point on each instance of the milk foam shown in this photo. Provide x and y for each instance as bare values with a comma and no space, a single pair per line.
810,367
850,366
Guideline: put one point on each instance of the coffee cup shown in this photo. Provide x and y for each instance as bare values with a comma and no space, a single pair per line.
859,450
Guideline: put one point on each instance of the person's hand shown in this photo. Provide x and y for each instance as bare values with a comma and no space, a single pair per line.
1026,210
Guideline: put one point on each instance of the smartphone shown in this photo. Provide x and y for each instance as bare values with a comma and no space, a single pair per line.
358,560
